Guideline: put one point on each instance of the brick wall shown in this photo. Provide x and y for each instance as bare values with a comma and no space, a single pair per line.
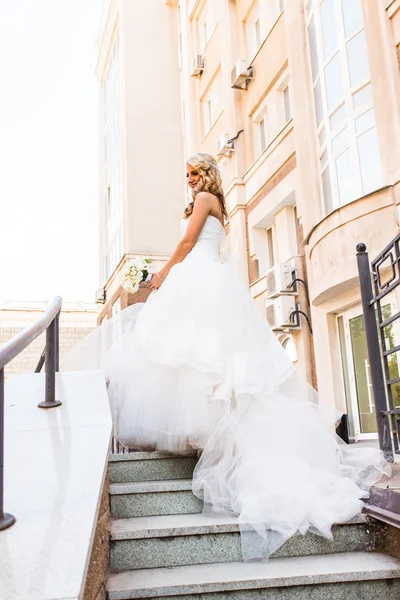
26,361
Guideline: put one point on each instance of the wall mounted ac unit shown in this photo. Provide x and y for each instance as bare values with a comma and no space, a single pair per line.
278,313
278,279
224,146
197,66
241,75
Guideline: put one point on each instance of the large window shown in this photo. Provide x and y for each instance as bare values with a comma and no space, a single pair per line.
348,147
112,170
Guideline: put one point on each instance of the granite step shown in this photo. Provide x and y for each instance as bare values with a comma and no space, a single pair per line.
189,539
150,498
150,466
349,576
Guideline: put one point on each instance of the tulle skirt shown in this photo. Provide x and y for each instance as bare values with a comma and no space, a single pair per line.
197,367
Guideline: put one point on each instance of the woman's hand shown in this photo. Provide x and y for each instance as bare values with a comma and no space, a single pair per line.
155,282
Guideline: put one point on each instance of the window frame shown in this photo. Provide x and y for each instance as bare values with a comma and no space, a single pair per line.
287,105
211,104
271,246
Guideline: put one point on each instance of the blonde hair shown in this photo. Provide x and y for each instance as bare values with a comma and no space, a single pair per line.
210,181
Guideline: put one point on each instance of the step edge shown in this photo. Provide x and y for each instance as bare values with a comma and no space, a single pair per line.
144,456
173,532
254,583
149,487
132,532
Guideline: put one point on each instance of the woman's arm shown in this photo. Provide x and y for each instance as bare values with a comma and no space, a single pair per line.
201,210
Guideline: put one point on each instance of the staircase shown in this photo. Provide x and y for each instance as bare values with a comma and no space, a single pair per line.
162,547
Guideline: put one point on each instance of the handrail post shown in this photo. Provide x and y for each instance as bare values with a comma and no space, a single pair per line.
371,331
51,365
6,520
57,342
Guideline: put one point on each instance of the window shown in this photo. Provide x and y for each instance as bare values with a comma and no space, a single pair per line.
112,164
259,23
261,131
206,24
263,134
348,147
211,104
270,245
209,120
286,100
296,228
257,33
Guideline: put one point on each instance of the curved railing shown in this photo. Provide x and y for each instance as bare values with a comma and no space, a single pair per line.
49,322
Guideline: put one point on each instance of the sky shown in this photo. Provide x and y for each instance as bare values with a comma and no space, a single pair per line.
49,149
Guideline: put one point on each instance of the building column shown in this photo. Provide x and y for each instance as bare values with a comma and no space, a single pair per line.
238,242
308,191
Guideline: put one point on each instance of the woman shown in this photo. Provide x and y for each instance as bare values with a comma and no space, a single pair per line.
197,367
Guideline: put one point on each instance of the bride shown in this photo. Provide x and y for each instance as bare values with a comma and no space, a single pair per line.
198,367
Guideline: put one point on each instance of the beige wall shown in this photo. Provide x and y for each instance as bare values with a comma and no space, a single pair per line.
154,158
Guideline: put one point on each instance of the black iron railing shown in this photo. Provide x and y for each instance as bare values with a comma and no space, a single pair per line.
49,322
385,269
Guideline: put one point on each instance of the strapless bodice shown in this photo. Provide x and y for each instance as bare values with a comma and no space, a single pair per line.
210,239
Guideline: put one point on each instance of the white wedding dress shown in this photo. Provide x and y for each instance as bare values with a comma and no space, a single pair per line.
198,367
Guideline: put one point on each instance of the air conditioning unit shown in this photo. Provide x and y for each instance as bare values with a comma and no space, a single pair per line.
278,313
100,296
241,75
224,146
278,279
197,66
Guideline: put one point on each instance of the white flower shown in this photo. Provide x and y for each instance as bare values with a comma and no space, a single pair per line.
141,264
127,285
134,273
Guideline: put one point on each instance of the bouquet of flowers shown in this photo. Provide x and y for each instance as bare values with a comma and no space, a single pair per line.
136,272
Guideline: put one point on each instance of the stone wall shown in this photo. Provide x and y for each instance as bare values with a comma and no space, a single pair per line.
95,588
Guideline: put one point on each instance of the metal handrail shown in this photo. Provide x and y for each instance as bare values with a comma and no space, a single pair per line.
17,344
49,322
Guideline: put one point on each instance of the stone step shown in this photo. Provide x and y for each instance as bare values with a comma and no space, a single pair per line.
190,539
150,466
148,498
350,576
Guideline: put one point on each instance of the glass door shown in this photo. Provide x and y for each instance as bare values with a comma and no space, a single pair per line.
357,375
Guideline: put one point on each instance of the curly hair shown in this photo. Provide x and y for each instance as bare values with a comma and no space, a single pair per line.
210,181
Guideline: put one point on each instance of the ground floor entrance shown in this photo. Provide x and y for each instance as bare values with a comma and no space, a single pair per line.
356,369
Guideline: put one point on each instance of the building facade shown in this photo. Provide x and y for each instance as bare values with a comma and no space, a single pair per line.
300,100
77,320
141,151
